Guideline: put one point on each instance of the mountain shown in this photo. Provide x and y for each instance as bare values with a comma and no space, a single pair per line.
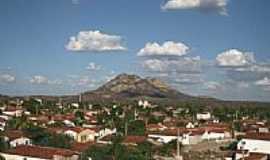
133,86
126,88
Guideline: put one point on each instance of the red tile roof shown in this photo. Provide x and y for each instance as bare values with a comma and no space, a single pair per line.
40,152
81,147
134,139
13,134
258,136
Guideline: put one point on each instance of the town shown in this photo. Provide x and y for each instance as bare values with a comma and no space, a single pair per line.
37,129
134,80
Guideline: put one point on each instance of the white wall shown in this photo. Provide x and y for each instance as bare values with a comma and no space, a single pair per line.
257,146
20,141
163,138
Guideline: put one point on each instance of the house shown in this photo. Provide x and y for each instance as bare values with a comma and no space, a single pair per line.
203,116
16,138
216,134
13,112
144,104
165,136
79,134
190,136
39,153
255,142
190,125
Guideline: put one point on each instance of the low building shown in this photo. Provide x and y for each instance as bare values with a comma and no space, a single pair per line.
203,116
81,135
39,153
255,143
16,138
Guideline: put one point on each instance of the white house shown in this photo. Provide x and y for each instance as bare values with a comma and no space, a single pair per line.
189,136
203,116
81,135
16,138
190,125
144,104
13,112
256,143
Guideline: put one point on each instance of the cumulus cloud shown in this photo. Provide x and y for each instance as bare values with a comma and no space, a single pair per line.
7,78
182,65
93,66
168,48
95,41
203,5
235,58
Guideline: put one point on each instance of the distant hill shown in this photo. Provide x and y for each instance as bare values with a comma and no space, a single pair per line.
126,88
132,86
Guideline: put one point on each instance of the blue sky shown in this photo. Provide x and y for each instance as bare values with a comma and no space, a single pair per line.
37,55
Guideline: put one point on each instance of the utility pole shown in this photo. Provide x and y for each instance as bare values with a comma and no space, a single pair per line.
178,156
126,128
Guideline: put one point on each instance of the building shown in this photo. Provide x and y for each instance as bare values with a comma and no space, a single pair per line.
79,134
39,153
203,116
255,143
16,138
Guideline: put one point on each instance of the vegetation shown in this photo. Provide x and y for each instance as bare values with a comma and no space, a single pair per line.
41,137
3,144
118,151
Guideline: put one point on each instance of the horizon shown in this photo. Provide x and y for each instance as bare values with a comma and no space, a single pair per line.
66,47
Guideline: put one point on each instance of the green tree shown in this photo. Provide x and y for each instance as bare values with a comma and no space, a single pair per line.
3,144
136,128
60,141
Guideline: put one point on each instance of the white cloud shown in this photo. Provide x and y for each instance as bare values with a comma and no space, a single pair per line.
38,79
235,58
263,82
155,65
182,65
93,66
204,5
7,78
255,68
95,41
168,48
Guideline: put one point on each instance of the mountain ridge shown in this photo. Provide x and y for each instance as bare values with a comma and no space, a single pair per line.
133,86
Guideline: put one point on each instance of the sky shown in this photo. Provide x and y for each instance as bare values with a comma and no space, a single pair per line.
217,48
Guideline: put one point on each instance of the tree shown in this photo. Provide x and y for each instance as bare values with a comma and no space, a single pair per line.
60,141
3,145
136,128
97,153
